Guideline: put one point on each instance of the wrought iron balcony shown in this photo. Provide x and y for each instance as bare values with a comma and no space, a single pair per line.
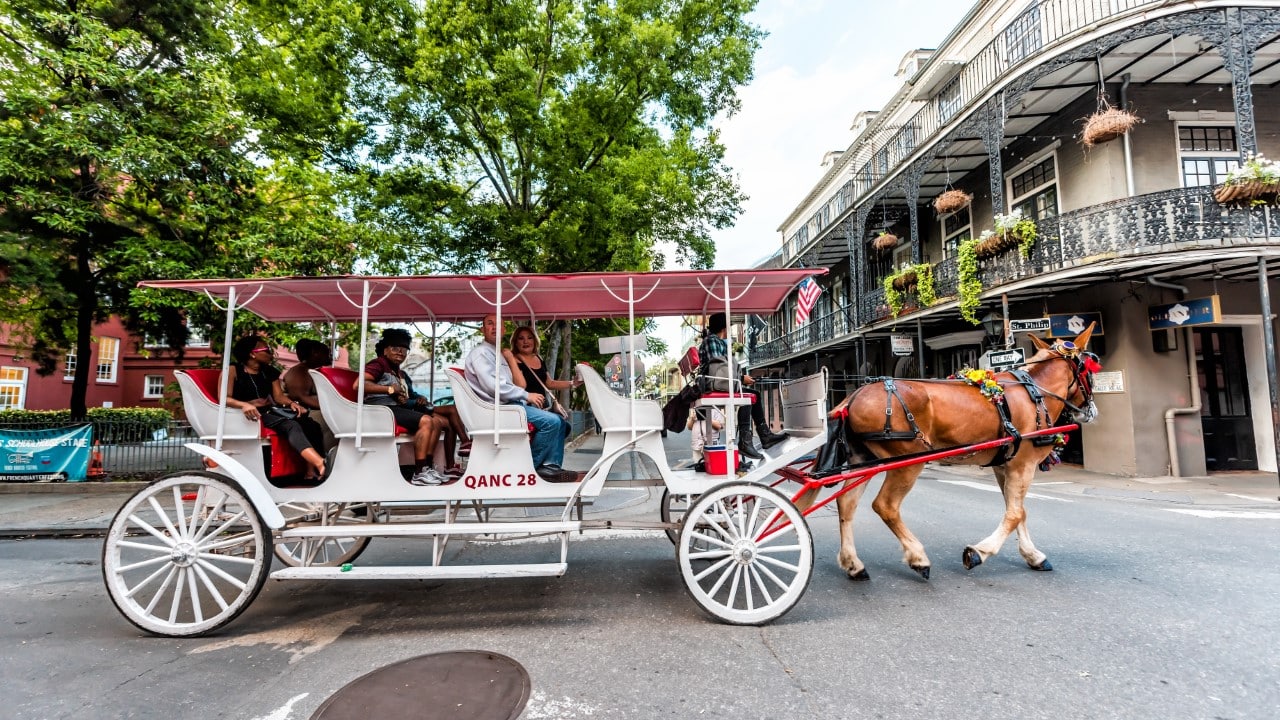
1167,221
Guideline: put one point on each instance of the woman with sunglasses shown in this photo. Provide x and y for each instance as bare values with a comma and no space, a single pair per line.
256,389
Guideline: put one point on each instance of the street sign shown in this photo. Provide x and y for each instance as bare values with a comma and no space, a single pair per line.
902,345
1003,359
1032,325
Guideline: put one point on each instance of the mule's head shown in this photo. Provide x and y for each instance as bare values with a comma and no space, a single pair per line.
1079,394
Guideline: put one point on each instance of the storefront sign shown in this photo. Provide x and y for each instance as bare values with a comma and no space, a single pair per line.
1111,381
1038,325
46,454
1069,325
902,345
1199,311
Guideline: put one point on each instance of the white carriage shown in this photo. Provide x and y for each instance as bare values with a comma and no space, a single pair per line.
187,554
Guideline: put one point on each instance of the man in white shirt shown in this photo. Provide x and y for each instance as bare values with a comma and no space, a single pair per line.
483,363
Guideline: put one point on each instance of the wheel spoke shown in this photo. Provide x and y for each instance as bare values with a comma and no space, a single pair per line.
712,540
237,516
714,567
208,585
220,573
751,571
708,554
143,563
195,595
778,563
766,530
180,512
227,558
776,549
209,518
733,587
760,569
173,570
177,597
164,517
145,581
168,540
226,542
161,549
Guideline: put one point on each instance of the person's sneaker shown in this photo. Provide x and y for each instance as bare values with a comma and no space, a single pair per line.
427,476
454,472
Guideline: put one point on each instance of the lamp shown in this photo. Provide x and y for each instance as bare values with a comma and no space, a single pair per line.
993,324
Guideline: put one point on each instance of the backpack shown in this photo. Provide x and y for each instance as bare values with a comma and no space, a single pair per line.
676,412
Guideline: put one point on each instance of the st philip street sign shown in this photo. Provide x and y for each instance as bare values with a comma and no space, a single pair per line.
1032,325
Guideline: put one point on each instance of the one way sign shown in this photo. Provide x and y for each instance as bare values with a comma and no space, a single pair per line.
998,360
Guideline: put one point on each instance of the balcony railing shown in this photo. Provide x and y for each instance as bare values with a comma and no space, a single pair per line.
1185,218
1042,25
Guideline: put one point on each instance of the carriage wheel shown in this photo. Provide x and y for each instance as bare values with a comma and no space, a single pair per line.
322,552
185,555
673,509
745,553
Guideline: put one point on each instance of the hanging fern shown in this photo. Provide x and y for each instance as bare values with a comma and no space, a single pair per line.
920,276
970,289
925,291
891,295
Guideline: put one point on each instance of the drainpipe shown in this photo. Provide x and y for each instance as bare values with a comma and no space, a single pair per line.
1175,468
1128,150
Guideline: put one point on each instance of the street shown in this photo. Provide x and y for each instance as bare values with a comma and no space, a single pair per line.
1151,613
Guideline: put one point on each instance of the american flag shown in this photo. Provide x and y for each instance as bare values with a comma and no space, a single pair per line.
807,298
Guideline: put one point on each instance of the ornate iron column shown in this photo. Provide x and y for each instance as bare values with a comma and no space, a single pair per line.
857,261
991,129
912,189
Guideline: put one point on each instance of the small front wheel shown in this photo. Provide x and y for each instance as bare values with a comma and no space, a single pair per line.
327,551
673,510
185,555
745,553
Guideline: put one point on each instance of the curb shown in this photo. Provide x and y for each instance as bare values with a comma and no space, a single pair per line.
48,533
130,486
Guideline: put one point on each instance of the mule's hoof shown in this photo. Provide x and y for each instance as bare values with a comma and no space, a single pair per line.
861,575
1044,566
922,569
971,558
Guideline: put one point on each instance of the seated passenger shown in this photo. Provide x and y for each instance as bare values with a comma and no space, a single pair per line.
547,444
715,358
524,348
255,388
385,383
301,389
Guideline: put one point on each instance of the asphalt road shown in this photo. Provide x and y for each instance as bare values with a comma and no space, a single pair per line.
1150,613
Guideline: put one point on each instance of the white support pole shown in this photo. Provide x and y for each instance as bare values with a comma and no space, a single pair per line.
226,366
364,342
497,358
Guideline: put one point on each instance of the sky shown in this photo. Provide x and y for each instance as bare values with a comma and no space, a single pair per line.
822,63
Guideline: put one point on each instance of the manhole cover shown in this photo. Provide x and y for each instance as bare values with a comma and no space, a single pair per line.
463,685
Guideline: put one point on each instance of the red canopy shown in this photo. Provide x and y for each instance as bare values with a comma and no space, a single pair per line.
453,298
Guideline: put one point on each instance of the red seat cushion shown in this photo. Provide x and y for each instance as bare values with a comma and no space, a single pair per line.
344,380
208,380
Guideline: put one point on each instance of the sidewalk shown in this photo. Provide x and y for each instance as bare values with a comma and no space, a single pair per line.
85,509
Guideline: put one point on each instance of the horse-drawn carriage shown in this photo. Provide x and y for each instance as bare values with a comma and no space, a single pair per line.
187,554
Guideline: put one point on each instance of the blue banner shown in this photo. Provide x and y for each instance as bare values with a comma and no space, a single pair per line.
1069,325
61,454
1195,311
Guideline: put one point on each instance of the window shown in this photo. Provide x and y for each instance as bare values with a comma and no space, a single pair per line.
13,388
153,386
949,100
956,228
108,355
1206,153
70,373
1022,37
1034,191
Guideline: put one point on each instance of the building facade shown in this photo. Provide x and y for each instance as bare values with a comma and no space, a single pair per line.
1125,228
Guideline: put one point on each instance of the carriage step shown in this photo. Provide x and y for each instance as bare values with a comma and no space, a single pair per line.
429,529
422,572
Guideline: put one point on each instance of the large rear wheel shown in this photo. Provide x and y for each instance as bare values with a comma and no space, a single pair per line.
185,555
745,553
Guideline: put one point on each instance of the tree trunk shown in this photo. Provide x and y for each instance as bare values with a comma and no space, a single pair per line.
86,308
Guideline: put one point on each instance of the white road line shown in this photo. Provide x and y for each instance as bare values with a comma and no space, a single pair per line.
994,489
1251,497
283,712
1238,514
1056,482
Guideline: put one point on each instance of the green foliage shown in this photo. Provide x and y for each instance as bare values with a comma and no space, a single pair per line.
110,425
970,286
1020,228
922,280
561,136
1255,168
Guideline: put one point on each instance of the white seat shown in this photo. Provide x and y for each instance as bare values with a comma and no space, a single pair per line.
490,450
641,431
241,437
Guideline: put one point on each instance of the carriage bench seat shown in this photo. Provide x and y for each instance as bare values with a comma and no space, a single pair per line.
285,461
344,381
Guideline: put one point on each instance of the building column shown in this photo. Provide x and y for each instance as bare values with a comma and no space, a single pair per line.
857,261
991,129
912,190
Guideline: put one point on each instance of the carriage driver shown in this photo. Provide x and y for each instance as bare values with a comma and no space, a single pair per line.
547,443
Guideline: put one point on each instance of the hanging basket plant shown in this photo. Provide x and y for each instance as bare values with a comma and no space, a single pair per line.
1108,123
885,242
969,290
1011,231
1256,182
951,201
910,279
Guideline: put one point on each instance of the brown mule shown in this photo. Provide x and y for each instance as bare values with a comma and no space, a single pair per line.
950,413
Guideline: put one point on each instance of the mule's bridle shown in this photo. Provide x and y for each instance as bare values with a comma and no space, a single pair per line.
1083,366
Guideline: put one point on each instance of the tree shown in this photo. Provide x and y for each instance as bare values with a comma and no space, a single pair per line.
554,135
124,156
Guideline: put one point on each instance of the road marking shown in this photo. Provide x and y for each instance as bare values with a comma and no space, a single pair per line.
284,711
994,489
541,707
1251,497
1239,514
